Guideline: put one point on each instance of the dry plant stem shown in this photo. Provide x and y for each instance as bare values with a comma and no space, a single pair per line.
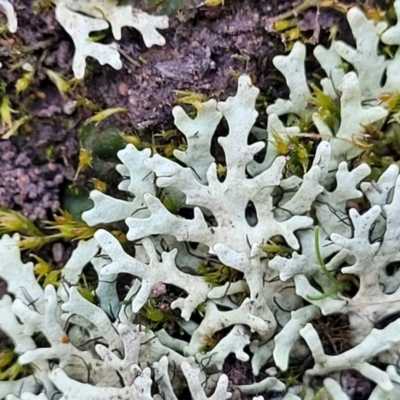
348,300
312,3
129,58
318,136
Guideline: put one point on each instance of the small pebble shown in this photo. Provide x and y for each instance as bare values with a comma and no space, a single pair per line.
272,371
123,89
69,107
58,252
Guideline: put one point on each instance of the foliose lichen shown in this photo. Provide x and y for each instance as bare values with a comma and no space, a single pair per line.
293,249
12,24
80,18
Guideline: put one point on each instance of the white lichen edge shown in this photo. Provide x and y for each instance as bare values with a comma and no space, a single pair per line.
8,9
80,18
232,219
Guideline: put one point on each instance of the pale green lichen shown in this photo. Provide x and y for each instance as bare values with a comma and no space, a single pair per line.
7,8
269,298
80,18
